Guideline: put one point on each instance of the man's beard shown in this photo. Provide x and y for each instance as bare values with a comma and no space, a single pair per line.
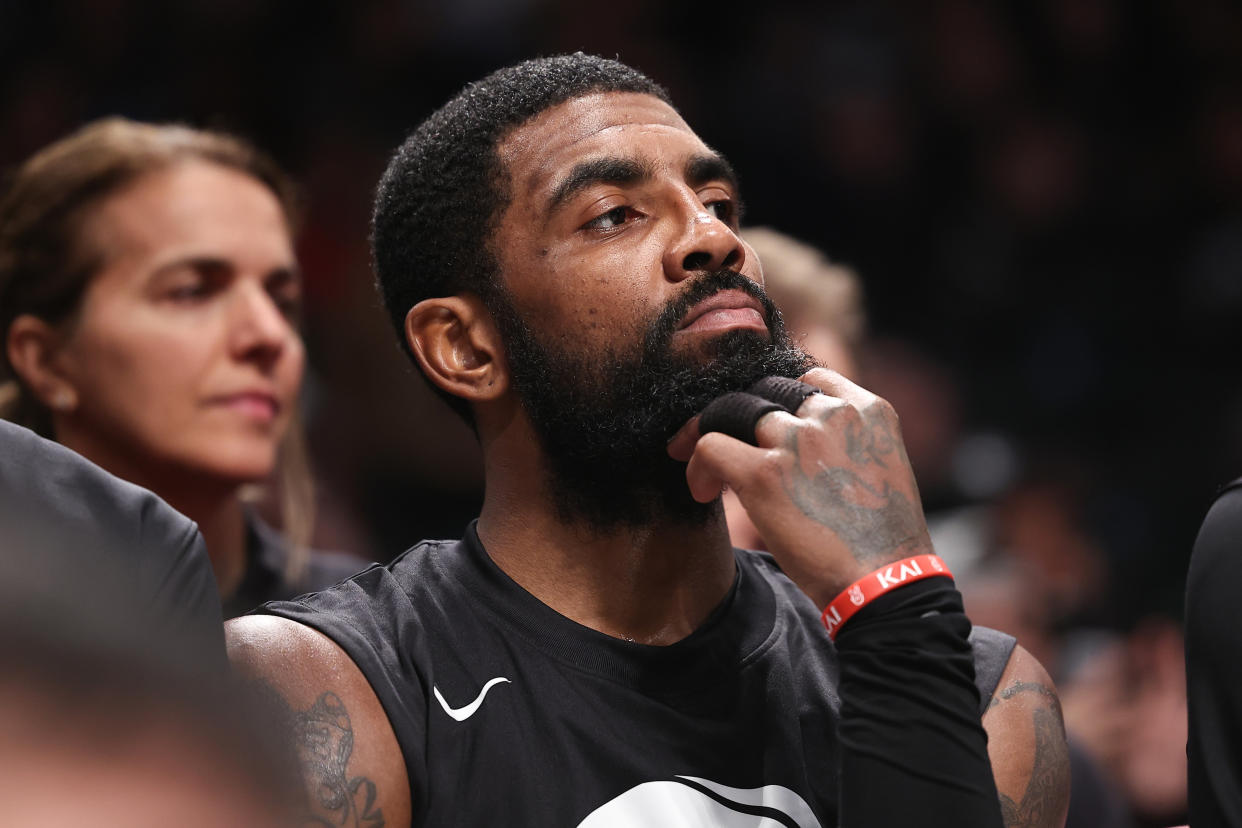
604,419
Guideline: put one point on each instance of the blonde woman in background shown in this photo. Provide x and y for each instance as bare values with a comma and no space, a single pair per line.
149,297
821,300
822,303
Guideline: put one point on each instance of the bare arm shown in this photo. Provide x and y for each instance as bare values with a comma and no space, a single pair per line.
1026,743
352,766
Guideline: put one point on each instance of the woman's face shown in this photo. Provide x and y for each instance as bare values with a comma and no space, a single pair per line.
183,357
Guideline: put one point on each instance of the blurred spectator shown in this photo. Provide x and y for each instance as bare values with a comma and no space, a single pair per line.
1034,568
149,297
98,727
1126,703
820,299
928,396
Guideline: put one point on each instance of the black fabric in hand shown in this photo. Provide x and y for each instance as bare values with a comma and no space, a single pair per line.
735,414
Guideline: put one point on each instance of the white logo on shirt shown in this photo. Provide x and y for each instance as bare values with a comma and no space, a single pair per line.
685,805
463,713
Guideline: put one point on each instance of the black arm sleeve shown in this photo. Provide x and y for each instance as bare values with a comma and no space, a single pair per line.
913,750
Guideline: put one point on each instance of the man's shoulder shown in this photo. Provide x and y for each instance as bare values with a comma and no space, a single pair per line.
764,567
334,719
269,636
993,651
373,609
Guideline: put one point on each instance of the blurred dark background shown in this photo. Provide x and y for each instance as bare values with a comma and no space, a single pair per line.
1044,201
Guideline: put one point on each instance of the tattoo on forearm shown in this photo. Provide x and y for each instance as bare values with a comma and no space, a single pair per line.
1043,803
323,737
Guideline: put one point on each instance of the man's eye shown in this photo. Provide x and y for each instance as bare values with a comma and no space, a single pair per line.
612,219
722,210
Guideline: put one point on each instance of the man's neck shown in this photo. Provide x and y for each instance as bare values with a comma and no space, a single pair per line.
653,584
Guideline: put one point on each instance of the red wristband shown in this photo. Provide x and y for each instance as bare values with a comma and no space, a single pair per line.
869,587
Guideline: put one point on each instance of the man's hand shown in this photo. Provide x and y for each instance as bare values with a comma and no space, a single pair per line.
830,489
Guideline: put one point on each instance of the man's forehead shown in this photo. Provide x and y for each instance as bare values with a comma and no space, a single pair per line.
555,139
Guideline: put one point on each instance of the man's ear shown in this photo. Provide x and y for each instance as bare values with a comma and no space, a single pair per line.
32,345
457,344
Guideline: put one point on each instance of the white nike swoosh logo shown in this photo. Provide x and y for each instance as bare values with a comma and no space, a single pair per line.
463,713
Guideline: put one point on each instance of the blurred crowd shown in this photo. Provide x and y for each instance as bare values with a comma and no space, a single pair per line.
1042,204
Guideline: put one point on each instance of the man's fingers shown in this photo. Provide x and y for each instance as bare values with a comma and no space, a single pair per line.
815,408
736,414
682,444
719,460
836,385
787,393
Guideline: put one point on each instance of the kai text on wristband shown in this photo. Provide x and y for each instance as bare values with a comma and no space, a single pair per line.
869,587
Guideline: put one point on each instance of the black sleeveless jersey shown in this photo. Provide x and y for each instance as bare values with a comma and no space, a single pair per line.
509,713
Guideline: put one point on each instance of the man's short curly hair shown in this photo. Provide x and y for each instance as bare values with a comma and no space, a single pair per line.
445,189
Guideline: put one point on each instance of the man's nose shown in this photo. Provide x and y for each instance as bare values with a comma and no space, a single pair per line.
705,244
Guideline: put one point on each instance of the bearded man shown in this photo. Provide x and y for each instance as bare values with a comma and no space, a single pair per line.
560,254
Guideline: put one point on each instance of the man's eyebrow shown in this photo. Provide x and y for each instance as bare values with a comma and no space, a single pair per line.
599,171
702,169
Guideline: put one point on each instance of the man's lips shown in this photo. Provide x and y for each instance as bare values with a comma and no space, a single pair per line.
726,309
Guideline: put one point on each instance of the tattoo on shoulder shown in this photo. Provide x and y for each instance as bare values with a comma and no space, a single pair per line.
1019,687
1047,790
323,738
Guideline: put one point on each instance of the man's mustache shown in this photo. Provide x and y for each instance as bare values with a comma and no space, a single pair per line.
709,284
